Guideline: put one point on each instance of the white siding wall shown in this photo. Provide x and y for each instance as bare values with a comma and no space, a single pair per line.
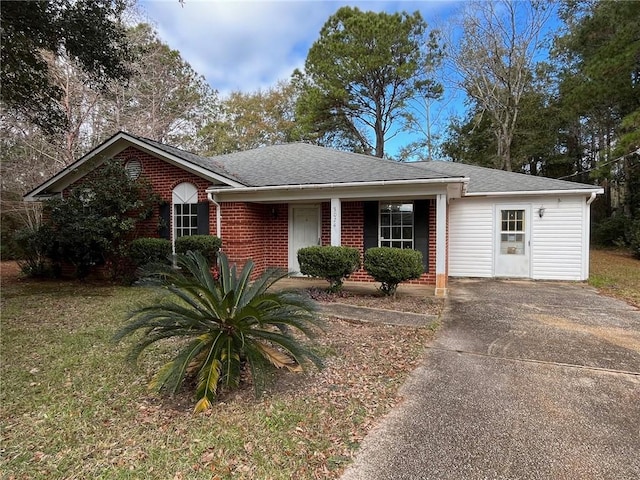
559,240
471,237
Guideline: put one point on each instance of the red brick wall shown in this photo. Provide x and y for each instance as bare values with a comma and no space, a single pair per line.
164,177
352,233
260,231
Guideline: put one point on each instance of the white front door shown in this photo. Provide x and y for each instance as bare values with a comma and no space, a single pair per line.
304,231
513,241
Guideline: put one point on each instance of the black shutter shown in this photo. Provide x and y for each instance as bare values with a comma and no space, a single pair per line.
370,214
203,218
164,229
421,230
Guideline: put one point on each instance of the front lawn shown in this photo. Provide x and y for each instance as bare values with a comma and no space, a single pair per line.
616,273
72,408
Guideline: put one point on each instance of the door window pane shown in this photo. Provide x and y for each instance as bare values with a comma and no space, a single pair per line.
512,237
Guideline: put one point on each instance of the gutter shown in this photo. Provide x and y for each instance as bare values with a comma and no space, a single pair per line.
319,186
212,199
595,191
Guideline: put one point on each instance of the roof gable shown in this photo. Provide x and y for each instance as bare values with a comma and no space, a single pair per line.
118,143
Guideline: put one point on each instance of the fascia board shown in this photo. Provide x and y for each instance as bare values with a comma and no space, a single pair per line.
395,189
110,148
597,190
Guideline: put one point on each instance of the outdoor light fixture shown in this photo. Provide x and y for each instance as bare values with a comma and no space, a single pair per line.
541,211
274,213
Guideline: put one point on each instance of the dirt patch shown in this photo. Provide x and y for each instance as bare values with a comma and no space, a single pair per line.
9,272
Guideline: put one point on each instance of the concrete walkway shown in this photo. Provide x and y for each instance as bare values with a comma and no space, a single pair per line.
526,380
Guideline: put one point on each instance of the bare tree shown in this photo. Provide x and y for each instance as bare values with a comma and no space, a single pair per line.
494,60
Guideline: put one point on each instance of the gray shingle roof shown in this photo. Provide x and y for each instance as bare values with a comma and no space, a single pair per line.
207,163
303,164
485,180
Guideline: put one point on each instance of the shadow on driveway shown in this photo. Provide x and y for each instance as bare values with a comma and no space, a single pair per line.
526,380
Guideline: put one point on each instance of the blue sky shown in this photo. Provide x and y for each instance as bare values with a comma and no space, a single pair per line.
249,45
246,45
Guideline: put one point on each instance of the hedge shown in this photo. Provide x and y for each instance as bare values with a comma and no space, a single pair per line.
392,266
143,251
334,264
208,245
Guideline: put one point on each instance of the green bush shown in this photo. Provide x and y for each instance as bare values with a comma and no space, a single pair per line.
392,266
334,264
208,245
610,231
633,238
143,251
91,225
32,248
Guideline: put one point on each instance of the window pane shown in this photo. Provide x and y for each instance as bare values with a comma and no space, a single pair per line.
396,225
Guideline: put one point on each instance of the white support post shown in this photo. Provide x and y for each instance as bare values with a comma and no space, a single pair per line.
336,222
441,245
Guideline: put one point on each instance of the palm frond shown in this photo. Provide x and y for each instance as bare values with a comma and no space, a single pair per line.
228,322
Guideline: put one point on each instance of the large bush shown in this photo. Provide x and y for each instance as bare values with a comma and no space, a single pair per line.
334,264
230,326
392,266
208,245
92,225
33,245
633,238
610,231
144,251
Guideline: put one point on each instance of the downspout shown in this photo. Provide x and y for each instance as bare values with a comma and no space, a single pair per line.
591,198
211,198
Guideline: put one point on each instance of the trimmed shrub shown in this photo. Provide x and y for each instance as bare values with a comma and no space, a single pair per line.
143,251
208,245
392,266
334,264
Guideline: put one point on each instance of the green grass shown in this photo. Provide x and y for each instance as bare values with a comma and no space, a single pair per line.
616,273
72,408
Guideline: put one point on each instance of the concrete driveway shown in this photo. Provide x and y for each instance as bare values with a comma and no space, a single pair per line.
526,380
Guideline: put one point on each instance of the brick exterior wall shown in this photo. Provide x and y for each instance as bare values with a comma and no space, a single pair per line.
256,231
164,177
261,231
352,233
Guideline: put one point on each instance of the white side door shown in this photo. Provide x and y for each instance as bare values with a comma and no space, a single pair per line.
512,256
304,231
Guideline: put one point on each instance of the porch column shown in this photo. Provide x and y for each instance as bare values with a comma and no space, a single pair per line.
441,245
336,222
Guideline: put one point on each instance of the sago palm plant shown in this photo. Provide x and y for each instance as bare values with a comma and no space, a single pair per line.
226,322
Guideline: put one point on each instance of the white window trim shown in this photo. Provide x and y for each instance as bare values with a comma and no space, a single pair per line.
413,224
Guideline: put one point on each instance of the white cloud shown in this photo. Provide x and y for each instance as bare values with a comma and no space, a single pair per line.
246,45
